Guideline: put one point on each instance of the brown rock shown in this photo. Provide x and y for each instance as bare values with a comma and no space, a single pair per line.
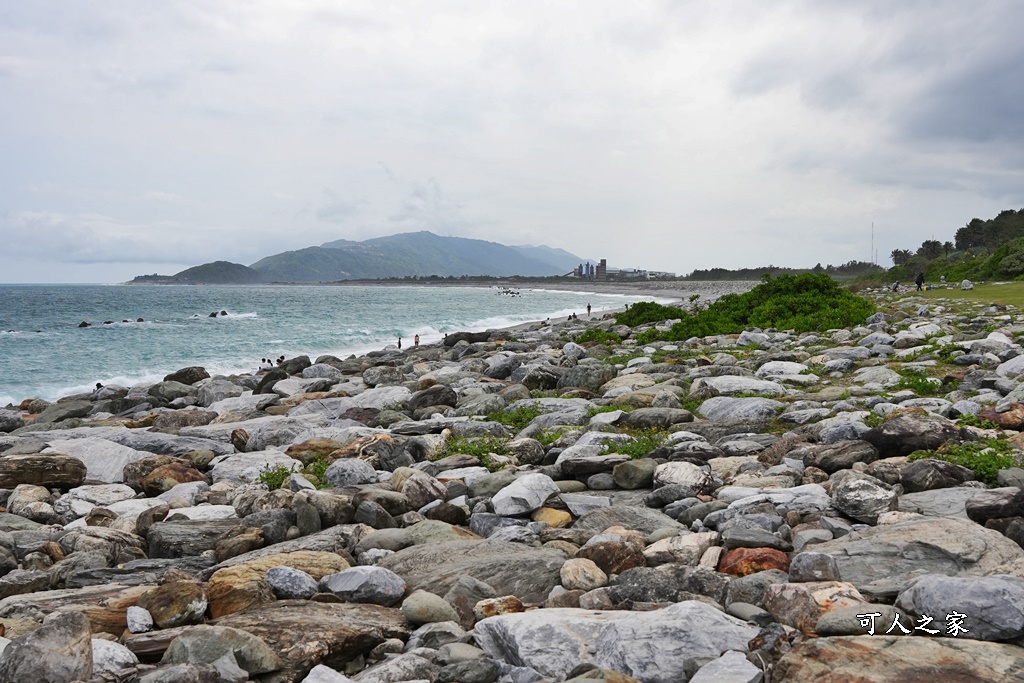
238,543
314,449
135,472
175,604
1011,418
613,557
800,605
173,421
239,437
888,659
105,606
304,634
242,586
552,517
492,607
746,561
166,477
50,470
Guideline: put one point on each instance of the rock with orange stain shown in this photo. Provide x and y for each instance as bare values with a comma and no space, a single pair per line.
746,561
800,605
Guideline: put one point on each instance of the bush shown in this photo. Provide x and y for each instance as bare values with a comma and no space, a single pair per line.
647,312
985,458
275,477
804,303
598,335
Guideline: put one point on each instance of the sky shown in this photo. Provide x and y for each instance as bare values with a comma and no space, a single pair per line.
150,137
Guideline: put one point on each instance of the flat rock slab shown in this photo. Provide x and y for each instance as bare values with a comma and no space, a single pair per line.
879,561
510,568
907,659
305,634
631,517
105,606
104,460
650,646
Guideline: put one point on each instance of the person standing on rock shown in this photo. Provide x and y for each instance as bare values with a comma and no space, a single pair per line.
919,281
588,310
399,342
416,340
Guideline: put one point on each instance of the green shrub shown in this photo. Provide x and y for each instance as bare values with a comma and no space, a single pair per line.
598,335
517,418
803,303
647,336
275,477
647,312
918,381
643,442
985,458
548,437
975,421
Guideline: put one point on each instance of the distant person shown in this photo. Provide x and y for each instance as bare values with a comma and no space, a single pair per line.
919,281
588,310
895,286
416,340
99,385
942,279
399,342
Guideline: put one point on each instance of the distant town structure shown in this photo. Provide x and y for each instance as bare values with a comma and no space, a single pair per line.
601,272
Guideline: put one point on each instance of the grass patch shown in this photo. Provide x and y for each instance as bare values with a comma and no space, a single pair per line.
1011,293
643,442
975,421
549,436
591,412
475,446
275,477
985,458
517,418
918,381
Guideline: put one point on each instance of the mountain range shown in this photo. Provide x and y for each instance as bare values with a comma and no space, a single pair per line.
404,255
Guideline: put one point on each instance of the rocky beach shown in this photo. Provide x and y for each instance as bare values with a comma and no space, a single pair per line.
514,506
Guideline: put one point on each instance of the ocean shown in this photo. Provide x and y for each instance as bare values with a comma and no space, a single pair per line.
45,354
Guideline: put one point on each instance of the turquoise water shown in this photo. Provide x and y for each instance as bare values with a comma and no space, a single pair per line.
44,354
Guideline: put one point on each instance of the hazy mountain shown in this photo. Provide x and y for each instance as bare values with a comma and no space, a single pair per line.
407,254
561,259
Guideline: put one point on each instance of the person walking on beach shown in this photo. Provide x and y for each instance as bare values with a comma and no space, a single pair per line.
919,281
416,340
588,310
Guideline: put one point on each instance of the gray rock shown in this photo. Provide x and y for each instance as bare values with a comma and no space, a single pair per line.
904,434
60,650
729,408
10,420
108,657
375,585
651,646
524,495
836,456
291,584
928,474
206,644
938,503
879,561
812,566
139,620
586,376
217,390
993,605
732,667
628,516
104,460
349,472
323,674
422,607
861,497
245,468
509,568
399,669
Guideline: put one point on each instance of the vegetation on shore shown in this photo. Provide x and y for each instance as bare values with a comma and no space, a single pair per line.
802,303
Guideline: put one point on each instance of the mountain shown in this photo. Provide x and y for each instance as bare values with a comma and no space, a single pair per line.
559,258
408,254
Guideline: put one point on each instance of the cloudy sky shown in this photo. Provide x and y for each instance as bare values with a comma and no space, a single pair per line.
149,137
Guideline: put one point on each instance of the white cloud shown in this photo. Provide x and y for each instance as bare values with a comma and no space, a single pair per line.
668,135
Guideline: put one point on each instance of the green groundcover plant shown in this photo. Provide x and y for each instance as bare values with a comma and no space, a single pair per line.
808,302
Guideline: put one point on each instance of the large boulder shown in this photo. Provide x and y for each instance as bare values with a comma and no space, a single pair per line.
189,375
887,659
304,634
589,376
650,646
720,408
104,460
524,495
510,568
881,560
904,434
59,651
51,470
861,497
993,606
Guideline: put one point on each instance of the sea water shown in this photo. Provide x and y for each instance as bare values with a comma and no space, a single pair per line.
45,354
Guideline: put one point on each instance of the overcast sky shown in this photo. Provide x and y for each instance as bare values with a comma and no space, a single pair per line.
140,137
